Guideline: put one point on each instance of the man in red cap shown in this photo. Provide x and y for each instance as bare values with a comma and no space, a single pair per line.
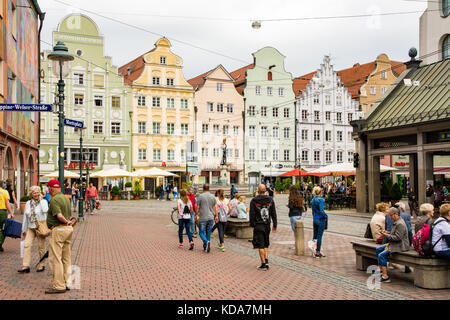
58,220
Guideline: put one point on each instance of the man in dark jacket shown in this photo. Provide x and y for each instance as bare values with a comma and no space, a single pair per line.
262,211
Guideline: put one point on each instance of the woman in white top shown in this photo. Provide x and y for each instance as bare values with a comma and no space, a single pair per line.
242,209
184,218
441,233
35,209
377,224
234,203
224,208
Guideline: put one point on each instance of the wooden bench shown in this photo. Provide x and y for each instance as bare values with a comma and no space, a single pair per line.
240,228
429,273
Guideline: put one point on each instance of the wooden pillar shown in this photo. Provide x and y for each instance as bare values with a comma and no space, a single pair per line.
374,182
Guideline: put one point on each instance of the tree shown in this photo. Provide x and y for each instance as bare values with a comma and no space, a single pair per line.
278,185
287,183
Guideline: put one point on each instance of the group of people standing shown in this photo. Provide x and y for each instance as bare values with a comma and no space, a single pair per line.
168,189
90,195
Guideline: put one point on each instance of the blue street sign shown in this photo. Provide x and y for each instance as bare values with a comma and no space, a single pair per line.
25,107
74,123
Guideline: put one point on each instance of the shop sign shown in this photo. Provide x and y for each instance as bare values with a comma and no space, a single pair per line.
76,165
401,164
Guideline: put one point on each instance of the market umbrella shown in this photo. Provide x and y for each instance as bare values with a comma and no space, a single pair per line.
111,173
67,174
156,172
294,173
345,168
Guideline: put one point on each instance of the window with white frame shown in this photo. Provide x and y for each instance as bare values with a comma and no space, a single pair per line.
141,101
156,127
275,112
142,154
339,100
275,154
258,90
383,90
216,129
219,87
170,155
286,155
350,136
184,129
156,154
263,111
350,117
304,134
339,136
226,130
305,155
316,156
162,60
236,130
220,107
170,103
252,111
78,99
286,133
339,117
142,127
286,113
316,98
115,128
328,156
339,156
184,103
170,82
349,156
229,153
183,155
327,100
99,81
252,131
210,107
236,153
263,131
316,116
216,152
269,91
56,125
275,132
230,108
156,81
204,152
171,128
383,74
281,92
78,79
373,90
251,154
316,135
328,116
98,101
98,127
205,128
304,115
115,102
156,102
328,135
263,154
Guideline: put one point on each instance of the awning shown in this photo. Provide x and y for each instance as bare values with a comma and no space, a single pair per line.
67,174
111,173
294,173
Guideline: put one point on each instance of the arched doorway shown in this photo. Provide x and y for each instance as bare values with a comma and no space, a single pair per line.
8,169
30,180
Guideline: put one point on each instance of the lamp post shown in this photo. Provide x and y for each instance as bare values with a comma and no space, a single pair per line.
81,199
60,58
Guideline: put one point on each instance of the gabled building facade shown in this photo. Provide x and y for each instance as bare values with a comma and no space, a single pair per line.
96,94
219,127
162,110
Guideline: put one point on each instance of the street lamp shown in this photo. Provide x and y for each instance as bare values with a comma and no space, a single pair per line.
81,201
60,58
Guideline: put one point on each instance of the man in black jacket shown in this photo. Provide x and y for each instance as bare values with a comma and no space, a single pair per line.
262,210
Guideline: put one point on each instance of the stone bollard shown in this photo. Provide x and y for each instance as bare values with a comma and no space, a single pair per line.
299,238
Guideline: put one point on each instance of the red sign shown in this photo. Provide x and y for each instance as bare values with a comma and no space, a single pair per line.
401,164
164,164
76,165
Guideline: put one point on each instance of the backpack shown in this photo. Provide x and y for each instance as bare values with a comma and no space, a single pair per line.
223,211
186,212
422,240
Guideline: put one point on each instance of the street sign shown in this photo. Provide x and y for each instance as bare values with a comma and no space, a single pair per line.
74,123
25,107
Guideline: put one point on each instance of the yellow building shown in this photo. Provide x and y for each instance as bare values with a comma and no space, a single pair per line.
163,110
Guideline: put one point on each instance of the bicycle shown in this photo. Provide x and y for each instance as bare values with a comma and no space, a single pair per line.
174,215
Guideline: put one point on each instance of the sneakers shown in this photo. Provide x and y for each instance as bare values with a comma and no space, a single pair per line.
222,249
180,245
263,267
319,255
208,247
387,280
191,246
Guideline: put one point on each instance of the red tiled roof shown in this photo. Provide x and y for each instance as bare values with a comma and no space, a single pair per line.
239,77
133,69
198,81
299,84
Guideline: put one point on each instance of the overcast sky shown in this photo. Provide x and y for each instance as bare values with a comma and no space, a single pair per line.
225,28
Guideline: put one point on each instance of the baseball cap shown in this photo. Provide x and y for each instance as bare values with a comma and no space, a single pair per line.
54,184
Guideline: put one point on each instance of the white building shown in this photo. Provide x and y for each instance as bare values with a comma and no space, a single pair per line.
324,111
434,32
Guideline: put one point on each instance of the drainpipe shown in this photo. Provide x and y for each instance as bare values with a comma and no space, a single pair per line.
41,19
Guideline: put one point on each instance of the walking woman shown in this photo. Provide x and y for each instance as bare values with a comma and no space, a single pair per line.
35,210
295,205
185,210
76,195
320,220
412,202
224,208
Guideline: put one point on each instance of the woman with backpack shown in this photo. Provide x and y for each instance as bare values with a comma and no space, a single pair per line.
320,220
185,210
295,205
426,216
224,208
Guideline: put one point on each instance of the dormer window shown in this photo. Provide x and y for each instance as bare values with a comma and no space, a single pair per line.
162,60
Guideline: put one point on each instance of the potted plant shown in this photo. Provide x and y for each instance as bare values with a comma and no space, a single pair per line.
115,192
23,202
137,190
396,194
128,186
286,184
278,186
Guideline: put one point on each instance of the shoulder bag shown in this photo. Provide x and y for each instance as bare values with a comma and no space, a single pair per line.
41,227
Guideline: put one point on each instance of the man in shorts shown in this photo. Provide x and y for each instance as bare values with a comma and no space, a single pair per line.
262,211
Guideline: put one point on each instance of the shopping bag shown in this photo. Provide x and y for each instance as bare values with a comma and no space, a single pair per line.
22,248
312,245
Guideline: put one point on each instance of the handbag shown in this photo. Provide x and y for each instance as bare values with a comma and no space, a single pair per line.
42,229
379,240
97,205
368,233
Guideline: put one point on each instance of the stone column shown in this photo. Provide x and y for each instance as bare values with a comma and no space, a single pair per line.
374,182
425,173
413,172
361,177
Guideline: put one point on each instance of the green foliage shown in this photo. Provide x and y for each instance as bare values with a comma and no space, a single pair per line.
309,180
349,181
287,183
137,189
278,185
25,198
396,193
128,185
115,191
297,184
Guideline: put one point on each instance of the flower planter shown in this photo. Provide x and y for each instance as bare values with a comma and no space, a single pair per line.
277,192
22,207
115,197
136,197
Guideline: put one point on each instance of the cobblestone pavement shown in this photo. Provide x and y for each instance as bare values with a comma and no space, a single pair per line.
129,251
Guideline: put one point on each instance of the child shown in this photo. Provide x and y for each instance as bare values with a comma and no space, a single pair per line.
241,208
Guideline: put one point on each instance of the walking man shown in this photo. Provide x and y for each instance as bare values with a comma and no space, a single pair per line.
58,220
262,210
5,207
91,197
207,214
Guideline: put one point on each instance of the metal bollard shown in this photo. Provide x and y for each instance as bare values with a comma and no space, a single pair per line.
299,238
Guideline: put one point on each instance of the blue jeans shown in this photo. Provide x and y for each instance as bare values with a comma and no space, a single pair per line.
182,223
293,219
443,254
192,225
319,228
382,255
204,231
175,194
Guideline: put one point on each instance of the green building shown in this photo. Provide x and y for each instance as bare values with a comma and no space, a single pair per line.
94,93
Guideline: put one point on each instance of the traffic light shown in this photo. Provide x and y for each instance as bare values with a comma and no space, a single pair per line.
356,160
